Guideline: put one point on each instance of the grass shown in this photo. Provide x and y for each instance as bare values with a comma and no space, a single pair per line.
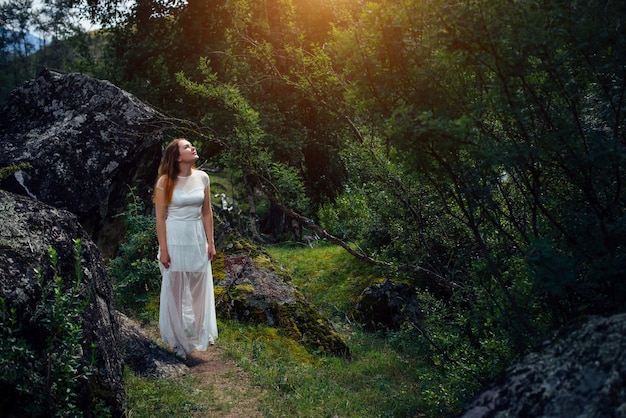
377,382
387,376
327,275
152,397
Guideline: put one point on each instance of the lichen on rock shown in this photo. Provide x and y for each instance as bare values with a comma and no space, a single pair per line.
580,372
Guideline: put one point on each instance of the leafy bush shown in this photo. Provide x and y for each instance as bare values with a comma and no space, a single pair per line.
135,270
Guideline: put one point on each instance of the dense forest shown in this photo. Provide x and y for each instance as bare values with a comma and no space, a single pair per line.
474,149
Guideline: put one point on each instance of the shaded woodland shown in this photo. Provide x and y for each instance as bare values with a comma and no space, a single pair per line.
473,149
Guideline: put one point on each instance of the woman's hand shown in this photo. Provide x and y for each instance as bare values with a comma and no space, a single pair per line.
211,251
164,258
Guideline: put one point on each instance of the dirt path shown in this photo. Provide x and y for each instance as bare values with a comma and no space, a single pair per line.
231,388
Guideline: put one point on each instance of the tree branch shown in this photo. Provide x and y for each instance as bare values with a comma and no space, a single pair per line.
270,192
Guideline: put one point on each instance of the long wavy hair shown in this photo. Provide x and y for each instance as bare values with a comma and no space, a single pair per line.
170,169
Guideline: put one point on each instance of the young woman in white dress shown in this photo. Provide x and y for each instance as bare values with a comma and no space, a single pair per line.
184,222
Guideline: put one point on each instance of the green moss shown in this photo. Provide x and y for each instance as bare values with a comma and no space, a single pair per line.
242,246
243,290
303,322
218,267
218,291
264,261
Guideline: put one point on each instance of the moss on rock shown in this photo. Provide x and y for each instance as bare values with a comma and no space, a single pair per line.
253,290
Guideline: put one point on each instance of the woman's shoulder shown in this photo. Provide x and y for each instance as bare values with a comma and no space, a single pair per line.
201,176
161,181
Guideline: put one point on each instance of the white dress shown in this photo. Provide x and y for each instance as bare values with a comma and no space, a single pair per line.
187,307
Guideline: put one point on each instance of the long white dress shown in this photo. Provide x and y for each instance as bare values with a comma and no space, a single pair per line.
187,307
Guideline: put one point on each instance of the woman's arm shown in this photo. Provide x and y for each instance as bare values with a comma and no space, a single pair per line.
161,216
207,221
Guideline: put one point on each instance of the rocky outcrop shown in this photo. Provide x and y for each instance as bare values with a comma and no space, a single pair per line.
87,142
386,306
249,287
36,324
581,373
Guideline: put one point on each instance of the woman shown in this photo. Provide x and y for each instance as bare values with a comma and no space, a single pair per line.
184,221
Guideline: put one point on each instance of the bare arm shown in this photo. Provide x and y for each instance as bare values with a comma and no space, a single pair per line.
207,221
161,216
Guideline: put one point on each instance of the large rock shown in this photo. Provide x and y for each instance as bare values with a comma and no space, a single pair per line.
88,142
29,229
386,306
581,374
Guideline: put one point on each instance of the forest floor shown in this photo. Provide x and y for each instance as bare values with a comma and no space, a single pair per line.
230,386
222,388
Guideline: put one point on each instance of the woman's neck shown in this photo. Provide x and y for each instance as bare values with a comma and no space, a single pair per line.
184,170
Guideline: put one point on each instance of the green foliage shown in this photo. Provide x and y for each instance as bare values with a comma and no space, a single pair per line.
245,141
135,270
289,186
495,153
44,378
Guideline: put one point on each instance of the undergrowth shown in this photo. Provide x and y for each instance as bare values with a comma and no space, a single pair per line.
389,375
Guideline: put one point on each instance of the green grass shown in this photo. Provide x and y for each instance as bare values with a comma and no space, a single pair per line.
387,376
377,382
327,275
153,397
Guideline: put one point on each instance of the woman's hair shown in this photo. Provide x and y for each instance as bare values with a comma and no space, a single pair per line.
169,168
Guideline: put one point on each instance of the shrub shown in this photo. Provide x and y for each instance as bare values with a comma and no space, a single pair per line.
135,270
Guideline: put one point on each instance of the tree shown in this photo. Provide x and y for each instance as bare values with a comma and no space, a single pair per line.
488,145
15,20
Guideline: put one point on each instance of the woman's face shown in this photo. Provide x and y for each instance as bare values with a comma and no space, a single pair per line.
186,152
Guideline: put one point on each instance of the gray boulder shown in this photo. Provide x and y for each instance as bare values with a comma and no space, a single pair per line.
582,373
87,142
35,328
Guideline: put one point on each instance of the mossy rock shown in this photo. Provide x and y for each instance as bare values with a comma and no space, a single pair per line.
253,290
217,266
302,321
386,305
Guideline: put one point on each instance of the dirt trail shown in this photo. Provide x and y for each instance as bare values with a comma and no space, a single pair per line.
231,388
